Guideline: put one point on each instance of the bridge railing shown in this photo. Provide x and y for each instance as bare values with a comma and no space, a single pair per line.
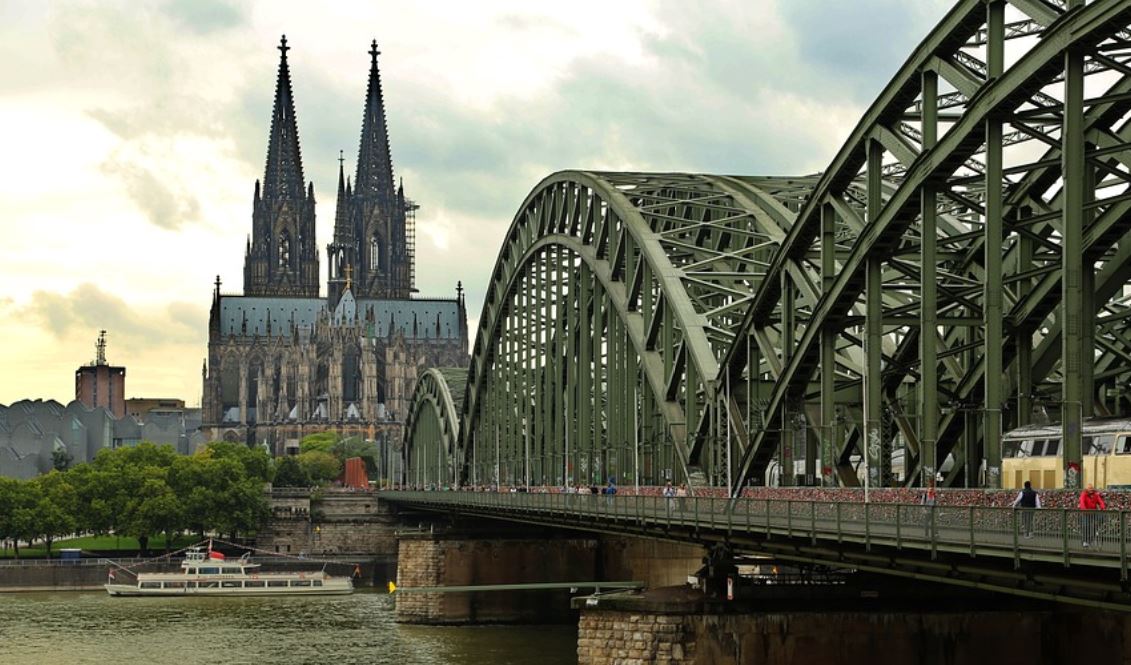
1072,536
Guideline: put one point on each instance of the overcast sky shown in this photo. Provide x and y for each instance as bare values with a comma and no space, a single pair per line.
132,134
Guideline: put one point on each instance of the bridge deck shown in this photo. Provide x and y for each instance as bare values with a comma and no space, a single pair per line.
1015,547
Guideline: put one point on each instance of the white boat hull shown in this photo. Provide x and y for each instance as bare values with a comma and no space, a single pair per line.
328,589
210,574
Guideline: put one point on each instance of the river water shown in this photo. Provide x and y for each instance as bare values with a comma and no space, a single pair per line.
95,628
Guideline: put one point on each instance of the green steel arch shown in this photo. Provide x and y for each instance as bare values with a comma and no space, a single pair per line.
713,328
613,297
1035,164
432,428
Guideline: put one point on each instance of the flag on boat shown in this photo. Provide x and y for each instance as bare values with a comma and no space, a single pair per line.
111,575
213,554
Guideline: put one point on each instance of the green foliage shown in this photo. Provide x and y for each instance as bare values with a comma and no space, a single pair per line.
322,441
321,467
289,473
141,491
256,461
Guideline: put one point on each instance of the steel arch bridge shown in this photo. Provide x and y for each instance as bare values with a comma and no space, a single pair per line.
964,261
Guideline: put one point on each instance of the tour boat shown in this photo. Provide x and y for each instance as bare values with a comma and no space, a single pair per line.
208,573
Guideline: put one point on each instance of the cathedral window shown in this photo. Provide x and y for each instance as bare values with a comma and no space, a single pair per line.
284,250
374,253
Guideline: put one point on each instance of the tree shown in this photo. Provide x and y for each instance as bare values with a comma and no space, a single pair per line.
54,513
256,461
320,467
289,473
11,498
156,509
322,441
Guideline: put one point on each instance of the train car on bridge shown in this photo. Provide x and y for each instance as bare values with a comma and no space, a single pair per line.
1035,453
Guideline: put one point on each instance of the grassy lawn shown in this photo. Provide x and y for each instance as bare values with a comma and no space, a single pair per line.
125,544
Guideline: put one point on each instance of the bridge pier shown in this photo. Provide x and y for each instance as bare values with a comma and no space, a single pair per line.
868,620
488,553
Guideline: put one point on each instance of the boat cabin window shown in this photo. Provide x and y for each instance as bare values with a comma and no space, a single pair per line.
276,583
174,585
254,584
192,571
231,584
1124,446
210,571
210,584
300,582
150,585
231,570
317,582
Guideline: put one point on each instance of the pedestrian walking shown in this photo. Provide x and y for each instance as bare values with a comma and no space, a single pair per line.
929,501
681,496
669,496
1027,500
1091,502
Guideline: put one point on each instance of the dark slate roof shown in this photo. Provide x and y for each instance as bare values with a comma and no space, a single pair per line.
423,319
280,310
402,313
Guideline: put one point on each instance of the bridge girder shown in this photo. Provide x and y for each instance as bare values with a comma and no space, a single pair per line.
432,429
652,323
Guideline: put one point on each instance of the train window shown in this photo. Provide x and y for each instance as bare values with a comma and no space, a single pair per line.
1052,448
1124,447
1098,445
1011,448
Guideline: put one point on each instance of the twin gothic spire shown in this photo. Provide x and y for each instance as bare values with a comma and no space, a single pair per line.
369,224
284,176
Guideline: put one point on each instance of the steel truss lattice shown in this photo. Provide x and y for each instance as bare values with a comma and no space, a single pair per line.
712,329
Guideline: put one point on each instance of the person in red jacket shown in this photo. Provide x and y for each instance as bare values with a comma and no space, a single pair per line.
1090,501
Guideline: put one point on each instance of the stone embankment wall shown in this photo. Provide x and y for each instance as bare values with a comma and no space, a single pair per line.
328,522
946,638
44,576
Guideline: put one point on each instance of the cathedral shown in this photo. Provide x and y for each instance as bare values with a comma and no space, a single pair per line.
284,361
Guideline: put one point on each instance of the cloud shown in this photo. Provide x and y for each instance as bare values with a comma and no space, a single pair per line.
88,309
205,16
164,206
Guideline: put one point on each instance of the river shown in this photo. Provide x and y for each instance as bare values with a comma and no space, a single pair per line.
95,628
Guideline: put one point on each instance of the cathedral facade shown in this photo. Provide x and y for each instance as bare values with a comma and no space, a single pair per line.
284,361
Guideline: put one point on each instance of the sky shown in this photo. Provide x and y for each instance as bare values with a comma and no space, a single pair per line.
132,133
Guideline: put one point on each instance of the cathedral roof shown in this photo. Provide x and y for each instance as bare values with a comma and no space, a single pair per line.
420,319
249,314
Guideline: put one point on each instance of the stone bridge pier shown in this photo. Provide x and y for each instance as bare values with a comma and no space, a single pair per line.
468,552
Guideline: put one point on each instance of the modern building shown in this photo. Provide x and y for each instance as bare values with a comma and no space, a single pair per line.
141,407
100,384
284,361
32,431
